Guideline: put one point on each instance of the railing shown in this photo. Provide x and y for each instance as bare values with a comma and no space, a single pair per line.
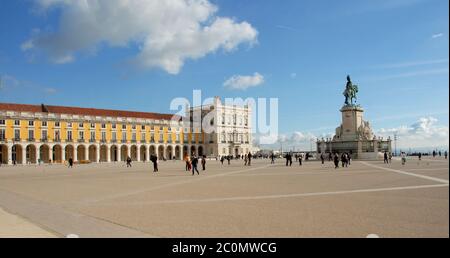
92,140
31,139
16,139
114,141
103,141
143,141
69,140
124,141
57,140
133,141
44,139
81,140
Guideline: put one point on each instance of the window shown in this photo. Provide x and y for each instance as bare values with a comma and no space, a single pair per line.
161,137
2,122
133,136
44,135
81,135
92,136
69,135
178,138
143,127
44,123
16,122
57,124
57,136
80,125
114,126
142,136
133,127
17,134
103,136
124,127
152,138
2,134
92,125
103,126
30,123
114,136
152,128
69,125
124,136
30,135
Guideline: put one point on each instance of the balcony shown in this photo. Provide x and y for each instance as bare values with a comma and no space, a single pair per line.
81,140
114,141
31,139
92,141
69,140
103,141
211,142
124,141
143,141
2,139
133,141
44,139
57,140
16,139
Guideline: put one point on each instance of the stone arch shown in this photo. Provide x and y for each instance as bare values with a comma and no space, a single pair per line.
93,154
114,155
44,153
3,154
185,151
169,152
123,153
104,153
70,150
31,154
178,152
133,152
57,154
81,153
152,150
161,152
193,151
143,153
16,154
200,151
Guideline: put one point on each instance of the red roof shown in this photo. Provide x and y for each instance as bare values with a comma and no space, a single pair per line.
82,111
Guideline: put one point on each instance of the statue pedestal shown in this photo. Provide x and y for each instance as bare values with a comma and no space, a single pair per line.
352,119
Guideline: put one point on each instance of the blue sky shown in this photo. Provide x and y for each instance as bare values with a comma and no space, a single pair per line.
395,50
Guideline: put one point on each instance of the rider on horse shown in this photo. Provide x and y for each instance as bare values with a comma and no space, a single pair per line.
350,91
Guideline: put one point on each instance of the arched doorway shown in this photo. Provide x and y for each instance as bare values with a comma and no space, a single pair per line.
169,152
3,154
193,151
57,154
185,151
16,154
133,153
81,153
69,152
152,150
44,153
93,154
161,152
31,154
104,153
200,151
114,153
123,153
178,153
143,153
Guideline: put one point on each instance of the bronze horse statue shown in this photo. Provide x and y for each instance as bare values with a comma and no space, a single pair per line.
350,92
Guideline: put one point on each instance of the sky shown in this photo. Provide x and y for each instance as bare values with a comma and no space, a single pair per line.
141,54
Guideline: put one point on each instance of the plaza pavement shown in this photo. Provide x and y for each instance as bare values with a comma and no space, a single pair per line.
109,200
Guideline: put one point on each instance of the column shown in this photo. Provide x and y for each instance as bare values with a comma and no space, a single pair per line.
63,154
75,153
138,153
50,153
86,153
97,154
147,154
9,154
128,151
108,154
119,153
181,152
24,155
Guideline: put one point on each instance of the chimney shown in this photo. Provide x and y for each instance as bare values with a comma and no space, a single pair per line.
44,108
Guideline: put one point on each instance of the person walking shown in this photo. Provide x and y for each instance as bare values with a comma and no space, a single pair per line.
403,156
249,157
70,163
322,158
245,160
386,158
188,163
154,160
420,156
229,160
336,161
344,159
300,159
204,163
222,159
194,165
272,158
128,162
446,154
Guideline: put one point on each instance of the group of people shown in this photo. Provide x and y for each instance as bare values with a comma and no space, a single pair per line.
246,157
345,159
192,164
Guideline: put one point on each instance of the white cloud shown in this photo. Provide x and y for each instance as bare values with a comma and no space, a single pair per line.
435,36
167,33
293,75
425,133
241,82
296,140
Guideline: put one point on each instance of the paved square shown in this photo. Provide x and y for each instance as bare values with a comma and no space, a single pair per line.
264,200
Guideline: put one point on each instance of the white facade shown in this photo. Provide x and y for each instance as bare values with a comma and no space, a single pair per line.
230,131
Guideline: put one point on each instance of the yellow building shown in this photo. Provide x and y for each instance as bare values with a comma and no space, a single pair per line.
39,133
